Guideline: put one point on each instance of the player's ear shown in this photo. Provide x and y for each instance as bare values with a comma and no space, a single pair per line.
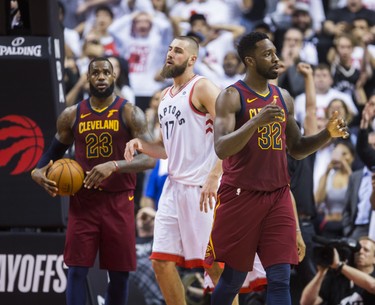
249,60
193,59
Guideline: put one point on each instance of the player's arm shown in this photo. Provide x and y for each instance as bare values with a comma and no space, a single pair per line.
301,247
61,142
204,96
136,120
300,147
229,141
143,141
209,189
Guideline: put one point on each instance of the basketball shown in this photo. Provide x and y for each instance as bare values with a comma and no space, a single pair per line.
68,175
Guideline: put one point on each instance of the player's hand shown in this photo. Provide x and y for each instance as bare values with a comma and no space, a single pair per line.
301,247
209,194
98,173
39,175
337,127
270,114
131,147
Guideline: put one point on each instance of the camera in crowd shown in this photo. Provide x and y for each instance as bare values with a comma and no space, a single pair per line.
323,254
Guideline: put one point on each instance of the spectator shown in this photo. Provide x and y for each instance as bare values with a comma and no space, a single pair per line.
291,80
342,282
141,41
345,74
365,144
71,37
216,42
338,20
357,211
154,186
330,195
217,16
302,188
102,21
231,72
302,20
144,278
324,95
122,88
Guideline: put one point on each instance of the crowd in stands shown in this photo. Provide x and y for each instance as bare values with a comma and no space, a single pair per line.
335,37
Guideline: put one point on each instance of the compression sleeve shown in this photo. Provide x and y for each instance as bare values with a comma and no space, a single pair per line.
55,151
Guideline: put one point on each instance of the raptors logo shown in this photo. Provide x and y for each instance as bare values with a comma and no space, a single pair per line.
21,140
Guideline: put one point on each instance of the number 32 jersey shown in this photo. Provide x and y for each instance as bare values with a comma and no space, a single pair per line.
187,136
262,164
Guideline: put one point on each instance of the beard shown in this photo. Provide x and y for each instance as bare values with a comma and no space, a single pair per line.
173,71
268,74
102,94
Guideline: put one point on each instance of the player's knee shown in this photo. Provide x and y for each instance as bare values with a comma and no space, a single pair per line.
278,276
77,273
214,272
162,267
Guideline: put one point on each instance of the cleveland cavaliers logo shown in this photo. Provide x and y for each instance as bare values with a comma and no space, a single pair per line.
21,142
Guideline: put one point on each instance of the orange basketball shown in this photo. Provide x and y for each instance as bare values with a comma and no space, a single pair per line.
68,175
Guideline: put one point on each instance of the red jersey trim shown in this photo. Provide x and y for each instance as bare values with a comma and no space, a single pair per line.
179,260
182,88
191,103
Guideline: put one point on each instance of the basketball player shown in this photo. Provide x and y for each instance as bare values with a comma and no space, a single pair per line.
254,213
186,113
101,215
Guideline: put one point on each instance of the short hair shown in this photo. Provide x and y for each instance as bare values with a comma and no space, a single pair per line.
104,8
369,239
247,44
96,59
193,44
322,66
347,143
195,17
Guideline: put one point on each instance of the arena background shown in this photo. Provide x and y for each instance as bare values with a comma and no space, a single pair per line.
32,224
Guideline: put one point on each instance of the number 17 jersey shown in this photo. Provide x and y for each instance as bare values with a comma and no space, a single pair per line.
187,136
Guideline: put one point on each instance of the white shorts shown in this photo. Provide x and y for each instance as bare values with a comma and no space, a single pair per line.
181,231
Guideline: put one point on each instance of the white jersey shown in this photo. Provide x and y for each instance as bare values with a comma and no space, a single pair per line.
187,136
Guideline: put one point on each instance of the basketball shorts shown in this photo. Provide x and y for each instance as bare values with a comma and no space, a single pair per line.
181,230
248,222
104,222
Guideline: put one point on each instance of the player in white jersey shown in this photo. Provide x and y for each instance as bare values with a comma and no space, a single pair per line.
186,114
187,135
